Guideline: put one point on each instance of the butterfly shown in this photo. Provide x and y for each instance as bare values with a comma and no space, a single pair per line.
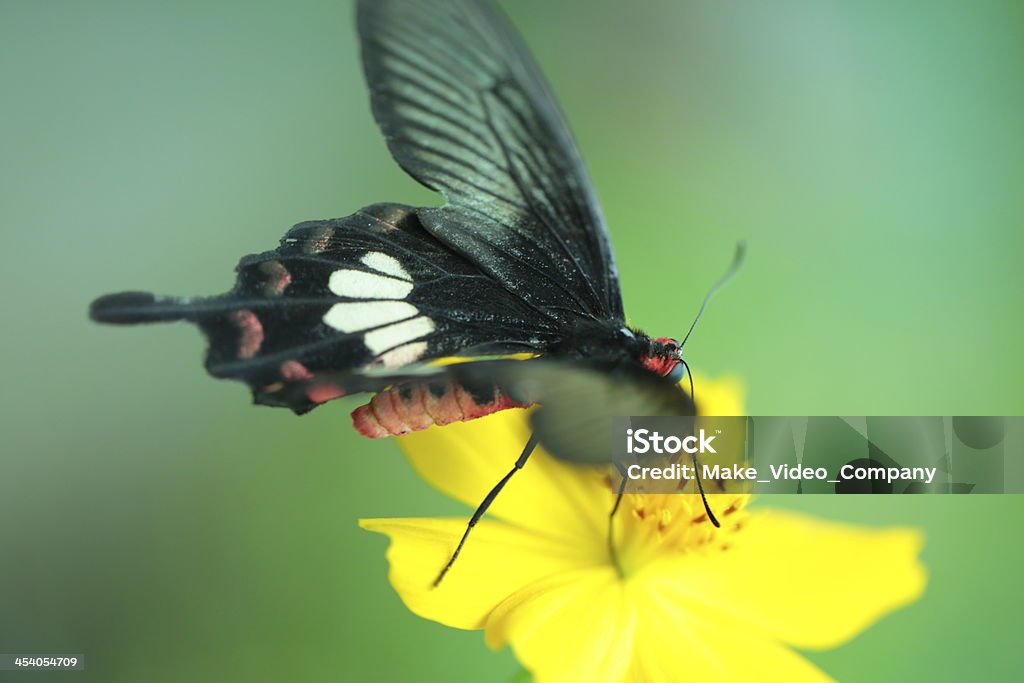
514,275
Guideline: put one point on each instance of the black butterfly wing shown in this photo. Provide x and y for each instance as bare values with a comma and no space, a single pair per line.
371,290
466,112
519,251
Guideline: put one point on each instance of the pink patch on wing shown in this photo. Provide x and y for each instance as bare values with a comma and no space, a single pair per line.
294,371
278,278
251,330
322,393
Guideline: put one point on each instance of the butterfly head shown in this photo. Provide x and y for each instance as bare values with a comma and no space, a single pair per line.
664,357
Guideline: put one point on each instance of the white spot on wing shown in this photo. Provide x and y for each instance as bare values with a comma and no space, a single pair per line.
355,316
398,334
403,355
388,265
359,285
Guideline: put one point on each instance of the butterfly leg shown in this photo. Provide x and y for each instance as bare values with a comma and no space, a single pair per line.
613,553
612,550
486,503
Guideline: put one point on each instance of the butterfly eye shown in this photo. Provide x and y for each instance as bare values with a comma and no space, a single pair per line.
676,374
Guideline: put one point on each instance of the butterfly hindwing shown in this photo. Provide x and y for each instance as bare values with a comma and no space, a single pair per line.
373,289
466,111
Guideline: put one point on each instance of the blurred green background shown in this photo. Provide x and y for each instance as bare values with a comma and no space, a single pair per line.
871,152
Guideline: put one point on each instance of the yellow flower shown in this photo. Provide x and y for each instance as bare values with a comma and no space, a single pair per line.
687,601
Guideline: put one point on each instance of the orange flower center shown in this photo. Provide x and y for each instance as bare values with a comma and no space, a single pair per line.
652,526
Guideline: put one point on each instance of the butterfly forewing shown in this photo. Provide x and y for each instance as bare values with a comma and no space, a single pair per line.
466,112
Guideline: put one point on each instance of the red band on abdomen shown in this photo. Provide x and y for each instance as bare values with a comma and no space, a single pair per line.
412,407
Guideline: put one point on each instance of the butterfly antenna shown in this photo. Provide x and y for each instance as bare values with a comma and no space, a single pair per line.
696,469
737,261
689,376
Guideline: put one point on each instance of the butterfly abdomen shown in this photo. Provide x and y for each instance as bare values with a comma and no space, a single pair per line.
411,407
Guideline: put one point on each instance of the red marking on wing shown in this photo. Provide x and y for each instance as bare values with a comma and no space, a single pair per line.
251,330
278,278
390,413
294,371
322,393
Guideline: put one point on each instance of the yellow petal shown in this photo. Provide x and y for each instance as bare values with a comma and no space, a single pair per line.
465,460
722,397
574,626
675,644
806,582
497,561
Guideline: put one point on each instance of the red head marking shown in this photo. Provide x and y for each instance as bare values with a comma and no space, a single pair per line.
663,356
